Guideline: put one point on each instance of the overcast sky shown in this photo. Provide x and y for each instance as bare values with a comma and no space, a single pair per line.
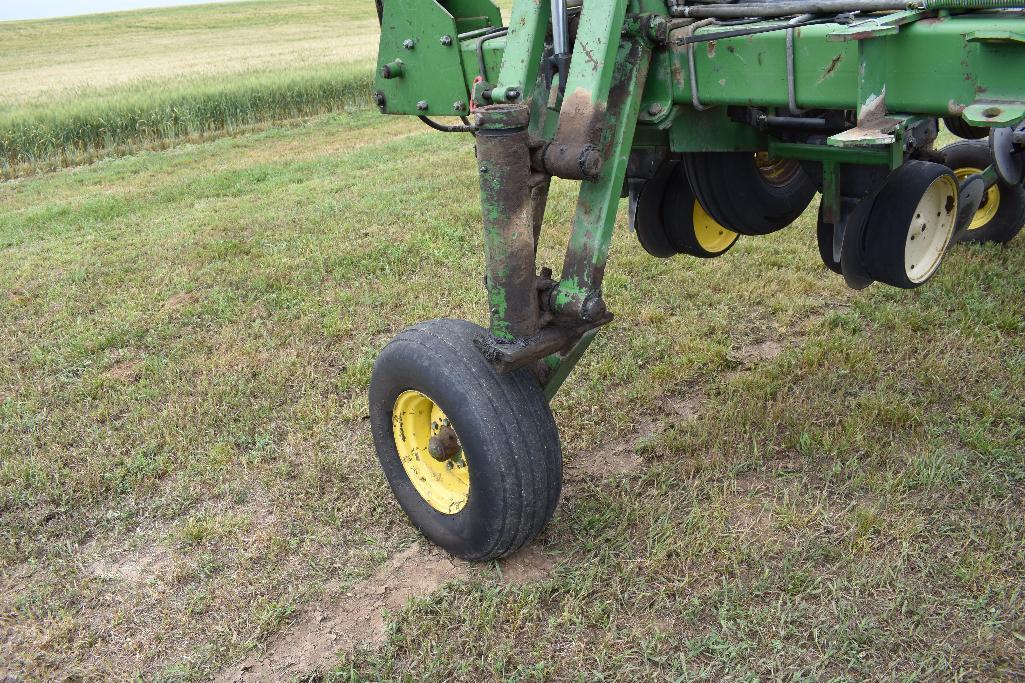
40,9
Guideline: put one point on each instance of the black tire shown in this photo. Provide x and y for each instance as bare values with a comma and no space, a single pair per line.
688,227
505,429
736,191
897,213
648,225
963,129
824,235
1006,222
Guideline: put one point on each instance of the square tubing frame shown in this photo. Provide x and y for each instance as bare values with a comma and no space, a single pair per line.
600,109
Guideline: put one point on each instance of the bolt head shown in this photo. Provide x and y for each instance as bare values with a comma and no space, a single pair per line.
459,105
512,94
422,105
655,109
446,40
408,44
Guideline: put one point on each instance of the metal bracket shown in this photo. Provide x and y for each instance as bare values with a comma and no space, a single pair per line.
876,27
511,355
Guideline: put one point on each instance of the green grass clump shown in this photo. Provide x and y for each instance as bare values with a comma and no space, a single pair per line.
80,127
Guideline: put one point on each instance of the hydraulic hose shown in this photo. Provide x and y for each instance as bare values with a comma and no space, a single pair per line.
465,128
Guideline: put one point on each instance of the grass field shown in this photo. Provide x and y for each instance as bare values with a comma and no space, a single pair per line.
771,476
79,88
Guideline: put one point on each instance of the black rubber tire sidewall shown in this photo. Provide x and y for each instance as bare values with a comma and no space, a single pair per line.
678,217
1010,217
651,232
734,192
886,230
505,427
964,130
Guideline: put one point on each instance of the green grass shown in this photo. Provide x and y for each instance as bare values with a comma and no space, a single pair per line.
186,466
85,87
79,129
187,336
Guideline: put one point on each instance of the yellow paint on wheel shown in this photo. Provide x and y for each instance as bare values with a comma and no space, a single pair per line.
990,203
711,236
777,172
444,485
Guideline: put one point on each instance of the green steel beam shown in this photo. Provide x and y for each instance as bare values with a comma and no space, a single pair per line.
603,93
837,155
521,61
935,66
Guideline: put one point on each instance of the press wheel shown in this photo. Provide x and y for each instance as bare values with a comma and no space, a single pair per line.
1001,215
750,194
911,224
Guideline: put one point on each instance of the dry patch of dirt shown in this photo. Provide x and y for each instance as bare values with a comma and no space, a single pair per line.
180,301
616,461
761,352
620,458
127,371
527,566
686,408
134,568
750,519
356,619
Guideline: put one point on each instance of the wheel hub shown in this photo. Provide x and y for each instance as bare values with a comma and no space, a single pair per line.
445,444
430,452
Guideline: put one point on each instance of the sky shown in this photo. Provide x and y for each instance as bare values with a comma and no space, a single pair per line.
41,9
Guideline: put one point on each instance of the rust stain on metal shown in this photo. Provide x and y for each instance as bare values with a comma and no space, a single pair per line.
711,49
581,118
590,57
831,69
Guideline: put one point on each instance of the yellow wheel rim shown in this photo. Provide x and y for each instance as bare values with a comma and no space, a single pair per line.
444,484
990,203
711,236
777,171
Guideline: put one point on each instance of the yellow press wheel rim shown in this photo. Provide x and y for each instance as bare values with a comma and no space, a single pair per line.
990,202
444,485
711,236
777,172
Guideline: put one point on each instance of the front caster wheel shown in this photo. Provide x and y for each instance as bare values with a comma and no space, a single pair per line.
473,457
